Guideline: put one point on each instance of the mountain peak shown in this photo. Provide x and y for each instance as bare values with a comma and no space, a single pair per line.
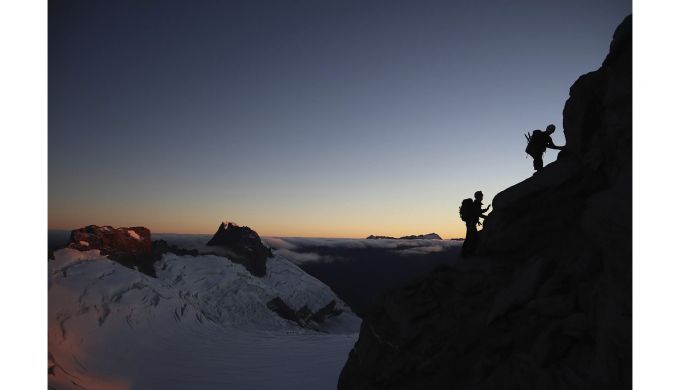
245,246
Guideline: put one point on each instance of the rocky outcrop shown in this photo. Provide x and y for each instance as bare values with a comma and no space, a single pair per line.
547,303
330,310
133,247
429,236
244,247
129,246
304,317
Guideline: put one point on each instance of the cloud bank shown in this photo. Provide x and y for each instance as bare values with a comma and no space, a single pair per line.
302,250
305,250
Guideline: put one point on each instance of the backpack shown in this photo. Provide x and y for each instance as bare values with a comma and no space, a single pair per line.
534,144
466,209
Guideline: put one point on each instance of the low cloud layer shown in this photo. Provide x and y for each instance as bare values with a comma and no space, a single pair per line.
302,250
303,257
349,243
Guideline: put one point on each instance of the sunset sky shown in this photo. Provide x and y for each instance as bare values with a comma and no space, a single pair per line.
305,118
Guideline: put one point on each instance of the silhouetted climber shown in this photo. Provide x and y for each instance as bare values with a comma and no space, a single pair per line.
470,212
537,142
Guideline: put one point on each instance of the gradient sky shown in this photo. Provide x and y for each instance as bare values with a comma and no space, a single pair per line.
305,118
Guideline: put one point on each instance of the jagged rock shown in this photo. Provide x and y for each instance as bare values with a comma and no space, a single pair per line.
303,316
547,304
327,311
244,245
130,246
278,306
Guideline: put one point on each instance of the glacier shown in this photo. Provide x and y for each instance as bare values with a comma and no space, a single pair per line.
203,323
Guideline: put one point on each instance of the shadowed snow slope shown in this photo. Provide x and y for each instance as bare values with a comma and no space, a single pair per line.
202,324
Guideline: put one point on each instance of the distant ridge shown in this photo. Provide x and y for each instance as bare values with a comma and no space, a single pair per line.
429,236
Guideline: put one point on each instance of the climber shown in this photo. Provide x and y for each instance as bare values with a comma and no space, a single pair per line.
470,212
537,142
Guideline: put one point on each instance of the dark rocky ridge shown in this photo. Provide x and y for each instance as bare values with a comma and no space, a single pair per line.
245,245
547,304
129,246
429,236
304,317
133,247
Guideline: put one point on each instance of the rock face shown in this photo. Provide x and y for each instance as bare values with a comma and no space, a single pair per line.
245,246
547,304
129,246
304,317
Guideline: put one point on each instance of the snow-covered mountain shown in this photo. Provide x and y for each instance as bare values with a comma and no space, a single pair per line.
231,296
202,322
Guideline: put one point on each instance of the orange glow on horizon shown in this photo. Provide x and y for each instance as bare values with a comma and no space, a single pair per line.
455,230
276,219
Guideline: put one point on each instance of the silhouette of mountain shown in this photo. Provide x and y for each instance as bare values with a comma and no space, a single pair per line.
547,303
245,246
429,236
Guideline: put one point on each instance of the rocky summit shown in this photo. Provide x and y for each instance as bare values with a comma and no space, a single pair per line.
130,246
244,247
547,301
